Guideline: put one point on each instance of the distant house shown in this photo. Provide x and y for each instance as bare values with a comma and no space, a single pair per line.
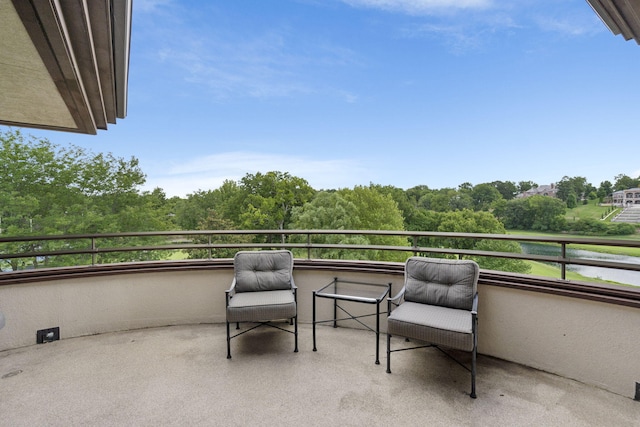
541,190
626,197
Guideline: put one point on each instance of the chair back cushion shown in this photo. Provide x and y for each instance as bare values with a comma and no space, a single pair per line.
263,270
443,282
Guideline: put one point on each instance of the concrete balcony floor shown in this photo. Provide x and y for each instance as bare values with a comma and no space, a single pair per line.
180,376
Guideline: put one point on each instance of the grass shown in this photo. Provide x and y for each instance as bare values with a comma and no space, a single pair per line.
546,270
178,255
592,210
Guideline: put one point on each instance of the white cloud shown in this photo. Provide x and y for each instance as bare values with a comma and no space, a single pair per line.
420,6
458,38
257,67
209,172
573,25
263,63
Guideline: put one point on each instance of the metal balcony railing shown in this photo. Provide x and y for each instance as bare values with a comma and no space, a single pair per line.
96,246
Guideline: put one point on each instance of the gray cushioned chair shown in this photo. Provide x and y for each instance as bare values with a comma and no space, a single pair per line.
262,291
438,306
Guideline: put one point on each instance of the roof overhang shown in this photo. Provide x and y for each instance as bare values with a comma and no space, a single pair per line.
64,65
620,16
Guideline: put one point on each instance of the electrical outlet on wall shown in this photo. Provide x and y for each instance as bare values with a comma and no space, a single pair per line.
47,335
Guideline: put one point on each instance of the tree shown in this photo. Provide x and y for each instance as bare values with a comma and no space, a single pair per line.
578,186
501,264
465,186
507,189
269,198
571,200
193,210
329,211
414,194
360,208
467,221
484,196
534,213
215,222
588,190
605,190
547,213
445,200
46,189
526,186
326,211
376,211
624,182
401,197
229,199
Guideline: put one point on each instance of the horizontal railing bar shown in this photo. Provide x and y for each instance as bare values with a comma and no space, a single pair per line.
94,249
434,234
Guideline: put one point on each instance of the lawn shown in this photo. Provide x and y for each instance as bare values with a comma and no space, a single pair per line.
591,210
546,270
178,255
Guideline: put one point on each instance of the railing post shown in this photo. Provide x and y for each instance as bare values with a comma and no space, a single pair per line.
564,264
209,248
308,245
93,250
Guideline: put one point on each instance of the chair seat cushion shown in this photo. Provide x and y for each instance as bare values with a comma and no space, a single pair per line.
261,306
433,324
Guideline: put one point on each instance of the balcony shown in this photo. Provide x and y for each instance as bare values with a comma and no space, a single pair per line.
179,375
144,343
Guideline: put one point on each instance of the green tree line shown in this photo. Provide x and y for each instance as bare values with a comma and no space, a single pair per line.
46,189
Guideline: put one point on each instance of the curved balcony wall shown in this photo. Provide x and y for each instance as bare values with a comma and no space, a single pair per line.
586,337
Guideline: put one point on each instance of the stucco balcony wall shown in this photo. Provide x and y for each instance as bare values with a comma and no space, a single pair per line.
589,341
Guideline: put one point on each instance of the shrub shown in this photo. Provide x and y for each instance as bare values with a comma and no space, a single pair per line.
621,229
597,227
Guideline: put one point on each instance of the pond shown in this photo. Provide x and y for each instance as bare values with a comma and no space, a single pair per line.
615,275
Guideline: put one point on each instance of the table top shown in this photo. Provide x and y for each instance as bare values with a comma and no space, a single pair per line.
354,291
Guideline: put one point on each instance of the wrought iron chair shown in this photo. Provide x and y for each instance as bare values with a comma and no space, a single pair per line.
262,291
438,306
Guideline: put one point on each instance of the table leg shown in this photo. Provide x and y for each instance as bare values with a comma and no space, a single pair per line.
378,333
314,321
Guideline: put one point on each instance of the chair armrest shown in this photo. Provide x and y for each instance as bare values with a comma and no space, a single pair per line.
474,307
293,284
399,295
232,289
395,301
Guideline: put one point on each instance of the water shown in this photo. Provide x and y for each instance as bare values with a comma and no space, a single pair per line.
615,275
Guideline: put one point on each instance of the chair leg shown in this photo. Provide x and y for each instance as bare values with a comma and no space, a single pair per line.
473,373
237,325
295,333
228,342
388,354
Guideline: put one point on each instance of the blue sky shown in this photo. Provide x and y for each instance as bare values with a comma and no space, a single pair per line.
391,92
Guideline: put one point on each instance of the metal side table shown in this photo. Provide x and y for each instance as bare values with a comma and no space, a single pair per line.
359,292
